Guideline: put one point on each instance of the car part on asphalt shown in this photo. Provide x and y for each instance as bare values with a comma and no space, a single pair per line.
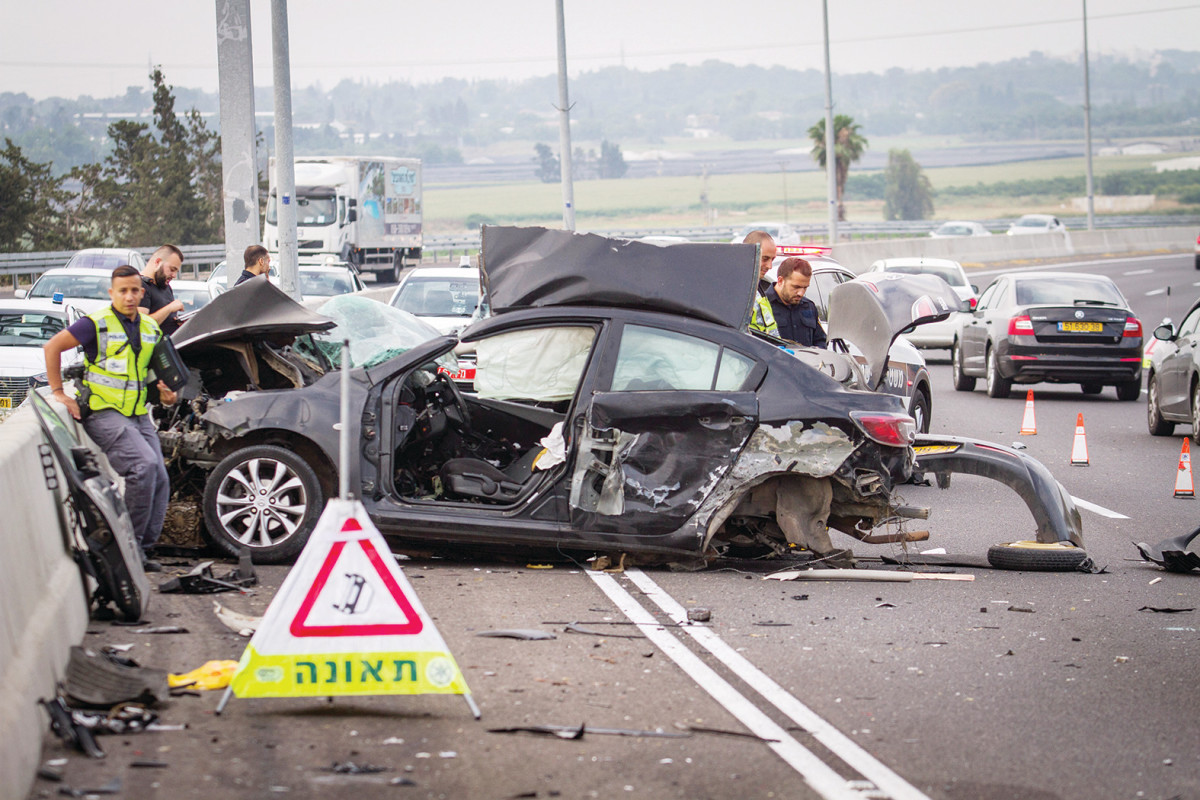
1037,556
1176,554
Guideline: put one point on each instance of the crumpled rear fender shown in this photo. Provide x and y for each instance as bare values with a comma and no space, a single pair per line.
1052,507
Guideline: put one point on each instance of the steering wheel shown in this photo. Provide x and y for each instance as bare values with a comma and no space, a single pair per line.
463,422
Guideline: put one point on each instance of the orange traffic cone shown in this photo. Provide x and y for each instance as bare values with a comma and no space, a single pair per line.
1029,421
1183,478
1079,456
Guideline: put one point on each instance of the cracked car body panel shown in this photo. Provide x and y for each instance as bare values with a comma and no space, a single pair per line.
1051,505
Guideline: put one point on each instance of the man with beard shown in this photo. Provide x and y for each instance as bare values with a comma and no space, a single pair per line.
159,302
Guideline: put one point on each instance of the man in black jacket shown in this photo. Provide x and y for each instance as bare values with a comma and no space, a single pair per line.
795,314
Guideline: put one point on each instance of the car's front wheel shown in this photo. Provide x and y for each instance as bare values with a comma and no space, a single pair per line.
265,499
997,386
962,381
1154,418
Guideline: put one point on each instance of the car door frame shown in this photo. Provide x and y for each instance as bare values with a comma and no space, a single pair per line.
1175,370
975,328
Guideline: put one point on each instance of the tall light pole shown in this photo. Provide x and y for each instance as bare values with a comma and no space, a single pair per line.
830,148
239,161
1087,125
564,123
285,162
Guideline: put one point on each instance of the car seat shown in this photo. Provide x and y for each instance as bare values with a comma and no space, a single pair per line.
478,479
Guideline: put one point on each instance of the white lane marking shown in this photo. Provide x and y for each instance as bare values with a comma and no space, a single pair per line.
815,772
1136,271
1148,294
1073,264
838,743
1095,509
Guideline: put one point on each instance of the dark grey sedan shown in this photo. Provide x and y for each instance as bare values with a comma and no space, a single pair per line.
1173,382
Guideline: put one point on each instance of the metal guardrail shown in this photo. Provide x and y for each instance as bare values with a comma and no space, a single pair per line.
450,247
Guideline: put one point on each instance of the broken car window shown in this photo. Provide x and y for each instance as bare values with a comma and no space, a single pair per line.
540,364
377,332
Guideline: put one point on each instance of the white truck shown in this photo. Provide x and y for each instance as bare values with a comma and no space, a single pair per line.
362,209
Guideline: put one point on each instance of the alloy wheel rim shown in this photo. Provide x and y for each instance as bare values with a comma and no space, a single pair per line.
261,502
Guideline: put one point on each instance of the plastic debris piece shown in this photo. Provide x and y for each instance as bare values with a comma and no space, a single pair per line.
207,677
724,732
162,629
351,768
200,580
244,624
577,731
1166,610
147,763
112,787
539,566
66,728
529,634
1022,609
1177,554
402,781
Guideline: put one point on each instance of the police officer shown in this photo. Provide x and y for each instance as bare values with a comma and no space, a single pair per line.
795,315
764,319
118,343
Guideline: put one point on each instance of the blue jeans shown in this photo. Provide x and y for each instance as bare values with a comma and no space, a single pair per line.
131,445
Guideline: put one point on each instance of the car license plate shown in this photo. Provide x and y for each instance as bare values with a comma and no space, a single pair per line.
1080,327
931,449
5,402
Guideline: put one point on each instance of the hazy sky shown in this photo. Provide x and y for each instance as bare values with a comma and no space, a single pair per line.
73,47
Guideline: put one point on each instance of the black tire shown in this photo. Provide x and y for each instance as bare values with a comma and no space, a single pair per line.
962,381
1129,390
1154,418
274,532
997,386
1092,388
1198,261
1036,556
1196,413
920,410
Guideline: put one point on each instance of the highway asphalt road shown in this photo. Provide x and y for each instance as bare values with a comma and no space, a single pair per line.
1013,685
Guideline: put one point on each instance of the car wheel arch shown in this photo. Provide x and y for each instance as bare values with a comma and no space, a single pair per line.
302,446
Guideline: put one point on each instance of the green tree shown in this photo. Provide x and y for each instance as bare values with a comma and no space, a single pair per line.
612,161
549,169
907,192
848,146
30,200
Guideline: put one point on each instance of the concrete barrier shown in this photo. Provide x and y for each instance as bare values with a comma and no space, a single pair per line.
45,608
968,250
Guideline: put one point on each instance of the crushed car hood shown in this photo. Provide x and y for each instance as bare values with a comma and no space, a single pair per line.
539,267
255,308
871,311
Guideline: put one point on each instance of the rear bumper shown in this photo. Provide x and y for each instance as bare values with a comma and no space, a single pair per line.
1111,365
1053,509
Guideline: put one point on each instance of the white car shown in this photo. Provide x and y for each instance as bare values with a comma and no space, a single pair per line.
1036,223
934,334
328,280
217,278
107,258
25,326
957,228
781,232
445,297
82,287
193,294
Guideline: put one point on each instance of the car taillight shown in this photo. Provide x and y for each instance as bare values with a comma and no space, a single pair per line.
892,429
1020,325
972,302
1132,327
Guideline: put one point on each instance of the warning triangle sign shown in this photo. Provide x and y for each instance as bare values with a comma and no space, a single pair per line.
346,621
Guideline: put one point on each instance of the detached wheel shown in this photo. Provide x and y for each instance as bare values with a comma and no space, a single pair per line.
997,386
1154,418
962,381
1037,556
263,498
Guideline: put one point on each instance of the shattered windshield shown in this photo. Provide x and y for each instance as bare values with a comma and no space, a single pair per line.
377,332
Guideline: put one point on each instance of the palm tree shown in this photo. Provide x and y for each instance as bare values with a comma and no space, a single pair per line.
849,145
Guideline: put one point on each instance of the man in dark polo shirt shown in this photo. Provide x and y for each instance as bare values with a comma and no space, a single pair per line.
795,314
258,262
159,302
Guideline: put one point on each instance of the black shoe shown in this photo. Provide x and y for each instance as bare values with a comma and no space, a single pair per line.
151,566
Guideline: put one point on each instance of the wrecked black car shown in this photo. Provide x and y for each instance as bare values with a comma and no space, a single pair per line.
619,407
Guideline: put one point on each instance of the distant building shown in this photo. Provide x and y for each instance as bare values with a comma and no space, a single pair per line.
1173,164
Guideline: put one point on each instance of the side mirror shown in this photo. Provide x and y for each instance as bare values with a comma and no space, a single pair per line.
1165,332
975,289
21,294
351,214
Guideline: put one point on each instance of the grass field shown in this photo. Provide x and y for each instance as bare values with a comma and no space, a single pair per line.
734,199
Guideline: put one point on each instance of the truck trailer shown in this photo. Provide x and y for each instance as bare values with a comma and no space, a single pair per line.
362,209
